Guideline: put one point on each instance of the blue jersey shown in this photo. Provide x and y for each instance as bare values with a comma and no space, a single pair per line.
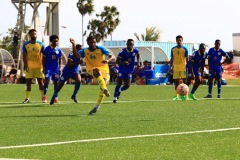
215,57
129,56
198,59
74,68
52,56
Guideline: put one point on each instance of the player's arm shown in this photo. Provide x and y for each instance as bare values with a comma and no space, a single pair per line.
111,58
226,59
171,65
74,50
25,61
138,60
59,64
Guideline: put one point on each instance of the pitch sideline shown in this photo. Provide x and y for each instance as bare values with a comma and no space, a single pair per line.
116,138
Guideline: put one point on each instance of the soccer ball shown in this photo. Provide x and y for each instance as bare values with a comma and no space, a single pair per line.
182,89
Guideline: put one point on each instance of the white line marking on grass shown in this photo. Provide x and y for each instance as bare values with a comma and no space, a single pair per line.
10,104
116,138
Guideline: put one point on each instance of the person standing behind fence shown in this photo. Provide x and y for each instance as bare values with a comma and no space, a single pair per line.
179,58
215,55
32,52
126,62
52,59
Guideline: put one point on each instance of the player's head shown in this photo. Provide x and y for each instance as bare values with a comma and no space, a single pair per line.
78,47
202,48
91,41
33,34
130,44
54,39
217,44
179,40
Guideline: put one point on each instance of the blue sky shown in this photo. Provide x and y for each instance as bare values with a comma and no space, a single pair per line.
198,21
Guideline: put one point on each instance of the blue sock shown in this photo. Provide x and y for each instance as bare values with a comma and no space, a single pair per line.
116,92
76,88
45,88
193,90
219,85
210,88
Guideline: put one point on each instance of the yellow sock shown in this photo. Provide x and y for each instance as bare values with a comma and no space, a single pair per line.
28,94
41,92
101,82
100,97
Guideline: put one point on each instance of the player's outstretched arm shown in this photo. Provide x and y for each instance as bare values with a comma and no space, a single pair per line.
74,50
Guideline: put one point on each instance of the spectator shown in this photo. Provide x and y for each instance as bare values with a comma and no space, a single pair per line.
146,66
114,72
12,76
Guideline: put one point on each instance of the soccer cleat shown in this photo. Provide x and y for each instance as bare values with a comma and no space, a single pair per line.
192,97
208,96
106,92
44,99
219,96
114,101
183,98
93,111
52,100
56,100
74,99
175,98
27,100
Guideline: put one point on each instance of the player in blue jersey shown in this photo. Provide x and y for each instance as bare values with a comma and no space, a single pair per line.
70,70
215,62
52,58
178,61
126,62
195,68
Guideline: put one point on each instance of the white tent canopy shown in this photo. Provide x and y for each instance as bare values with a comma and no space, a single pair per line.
6,60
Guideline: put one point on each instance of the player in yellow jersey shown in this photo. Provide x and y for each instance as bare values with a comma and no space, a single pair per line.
32,52
97,58
178,61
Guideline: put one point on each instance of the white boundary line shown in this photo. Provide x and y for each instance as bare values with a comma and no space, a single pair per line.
116,138
35,103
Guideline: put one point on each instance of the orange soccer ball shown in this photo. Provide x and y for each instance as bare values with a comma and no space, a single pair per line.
182,89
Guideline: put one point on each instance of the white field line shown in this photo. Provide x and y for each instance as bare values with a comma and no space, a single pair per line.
35,103
116,138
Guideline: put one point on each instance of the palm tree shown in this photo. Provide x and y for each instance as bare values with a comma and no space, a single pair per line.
152,34
109,20
85,7
110,16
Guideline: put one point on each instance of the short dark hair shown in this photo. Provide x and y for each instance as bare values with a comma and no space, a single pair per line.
217,40
32,30
201,45
129,40
90,38
179,36
52,37
78,46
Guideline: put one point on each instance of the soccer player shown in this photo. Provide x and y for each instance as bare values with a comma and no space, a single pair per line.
215,62
52,58
126,62
195,68
97,66
32,52
179,58
70,70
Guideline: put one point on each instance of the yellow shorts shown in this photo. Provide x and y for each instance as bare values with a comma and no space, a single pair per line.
34,73
105,74
179,74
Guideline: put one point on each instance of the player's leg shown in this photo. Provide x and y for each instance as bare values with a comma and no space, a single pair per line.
77,85
29,77
117,88
210,84
64,77
45,86
103,92
219,83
